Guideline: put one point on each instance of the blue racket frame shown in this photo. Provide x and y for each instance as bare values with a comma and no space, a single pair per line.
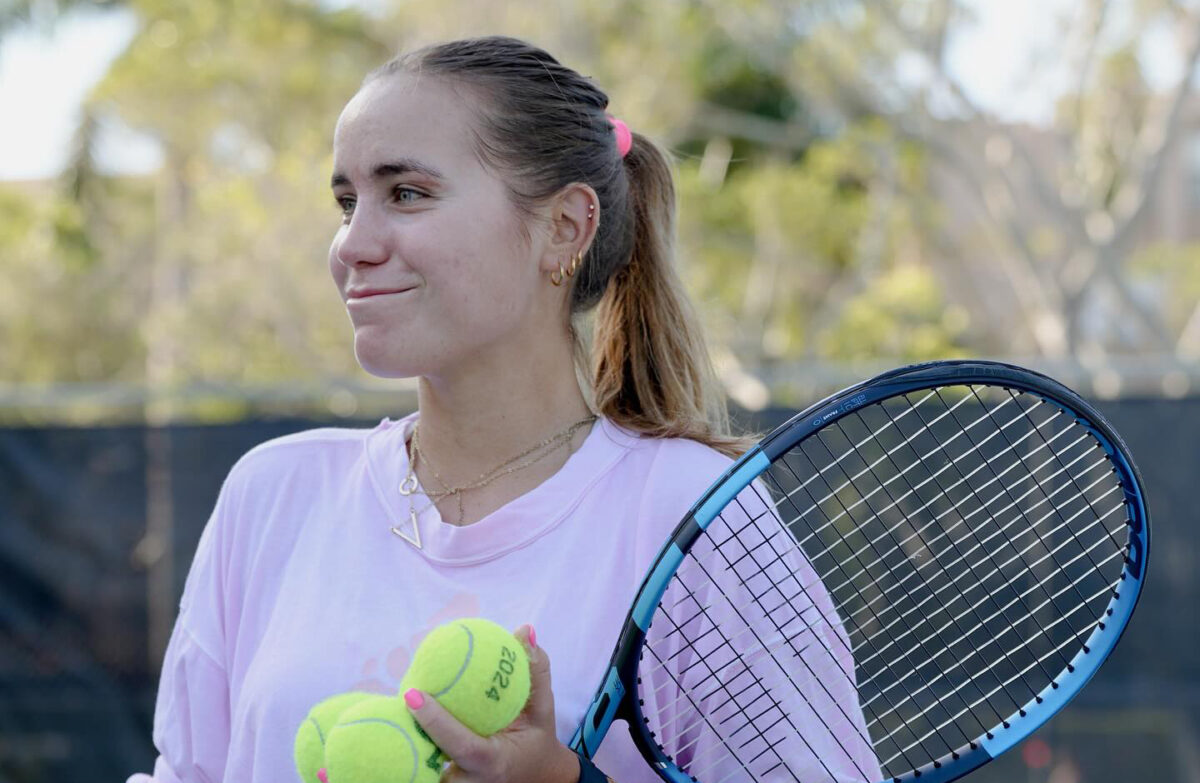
616,697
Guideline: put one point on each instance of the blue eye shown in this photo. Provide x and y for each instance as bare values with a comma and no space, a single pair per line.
401,191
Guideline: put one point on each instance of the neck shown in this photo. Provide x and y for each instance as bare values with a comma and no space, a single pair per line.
473,419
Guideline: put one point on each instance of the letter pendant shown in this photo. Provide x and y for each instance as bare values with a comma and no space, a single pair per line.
415,538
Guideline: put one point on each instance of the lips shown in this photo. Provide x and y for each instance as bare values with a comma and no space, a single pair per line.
366,293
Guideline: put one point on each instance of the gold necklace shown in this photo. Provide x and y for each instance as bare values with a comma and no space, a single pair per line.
409,484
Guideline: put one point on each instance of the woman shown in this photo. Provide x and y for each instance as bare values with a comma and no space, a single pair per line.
487,201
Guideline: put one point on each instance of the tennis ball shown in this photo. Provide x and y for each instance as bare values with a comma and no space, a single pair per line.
309,750
378,741
475,669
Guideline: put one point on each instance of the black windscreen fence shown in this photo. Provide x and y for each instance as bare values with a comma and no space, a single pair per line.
98,527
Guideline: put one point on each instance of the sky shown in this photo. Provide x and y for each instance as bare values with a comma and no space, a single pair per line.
38,116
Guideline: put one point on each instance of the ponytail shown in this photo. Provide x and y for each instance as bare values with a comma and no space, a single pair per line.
651,370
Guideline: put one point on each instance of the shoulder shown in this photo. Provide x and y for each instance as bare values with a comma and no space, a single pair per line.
676,468
297,455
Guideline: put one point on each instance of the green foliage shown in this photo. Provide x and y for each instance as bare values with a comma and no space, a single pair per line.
901,314
790,257
63,311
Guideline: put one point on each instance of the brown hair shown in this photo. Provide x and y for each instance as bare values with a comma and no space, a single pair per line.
543,126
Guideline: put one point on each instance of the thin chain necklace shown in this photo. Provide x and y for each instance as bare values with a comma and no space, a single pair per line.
409,485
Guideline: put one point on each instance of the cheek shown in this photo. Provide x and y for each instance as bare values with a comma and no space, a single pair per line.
486,265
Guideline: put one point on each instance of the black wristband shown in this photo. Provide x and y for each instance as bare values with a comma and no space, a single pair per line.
589,772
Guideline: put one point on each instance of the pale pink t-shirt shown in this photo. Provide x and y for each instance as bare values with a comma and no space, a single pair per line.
299,589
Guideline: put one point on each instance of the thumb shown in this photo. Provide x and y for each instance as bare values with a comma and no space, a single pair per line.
540,709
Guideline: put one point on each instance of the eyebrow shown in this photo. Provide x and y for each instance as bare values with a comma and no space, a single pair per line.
390,169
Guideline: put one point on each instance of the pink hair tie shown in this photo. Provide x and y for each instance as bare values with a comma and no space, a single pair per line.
624,137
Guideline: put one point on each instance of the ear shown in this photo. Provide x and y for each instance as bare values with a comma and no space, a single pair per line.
574,215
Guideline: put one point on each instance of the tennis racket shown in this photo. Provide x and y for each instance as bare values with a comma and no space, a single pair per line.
900,583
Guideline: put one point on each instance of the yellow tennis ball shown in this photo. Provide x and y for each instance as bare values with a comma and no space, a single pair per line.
475,669
309,750
379,741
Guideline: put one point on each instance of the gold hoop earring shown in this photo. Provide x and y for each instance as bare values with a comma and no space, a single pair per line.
556,277
575,262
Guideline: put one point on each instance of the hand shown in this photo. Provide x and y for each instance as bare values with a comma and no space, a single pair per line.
526,752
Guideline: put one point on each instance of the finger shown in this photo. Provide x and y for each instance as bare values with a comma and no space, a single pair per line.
456,740
540,708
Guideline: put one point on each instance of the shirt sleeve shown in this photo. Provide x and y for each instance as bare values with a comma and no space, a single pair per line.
192,710
191,716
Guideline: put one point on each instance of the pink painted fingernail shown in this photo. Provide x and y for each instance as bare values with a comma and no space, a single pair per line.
414,699
532,636
323,775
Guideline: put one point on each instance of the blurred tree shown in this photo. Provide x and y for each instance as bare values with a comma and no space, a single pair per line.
1062,209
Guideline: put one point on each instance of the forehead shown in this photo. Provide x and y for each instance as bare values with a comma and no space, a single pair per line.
405,117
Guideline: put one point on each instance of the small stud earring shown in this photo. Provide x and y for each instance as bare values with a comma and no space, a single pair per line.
591,211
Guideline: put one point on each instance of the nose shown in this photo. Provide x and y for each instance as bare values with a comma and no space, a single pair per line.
363,240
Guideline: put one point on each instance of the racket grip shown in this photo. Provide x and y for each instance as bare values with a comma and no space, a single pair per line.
599,716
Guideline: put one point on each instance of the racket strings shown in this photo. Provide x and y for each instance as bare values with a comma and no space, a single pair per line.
924,565
755,688
937,586
803,590
820,472
868,704
751,655
1052,553
759,650
933,522
972,572
1070,478
744,663
759,597
704,717
936,634
914,668
979,651
1107,590
779,630
968,563
954,582
816,531
951,583
1074,482
865,567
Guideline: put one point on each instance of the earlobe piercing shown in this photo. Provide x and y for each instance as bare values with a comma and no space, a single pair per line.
562,273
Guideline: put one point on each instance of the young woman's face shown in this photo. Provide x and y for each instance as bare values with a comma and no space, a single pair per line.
430,258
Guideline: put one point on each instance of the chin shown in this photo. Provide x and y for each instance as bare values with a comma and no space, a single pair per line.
381,364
